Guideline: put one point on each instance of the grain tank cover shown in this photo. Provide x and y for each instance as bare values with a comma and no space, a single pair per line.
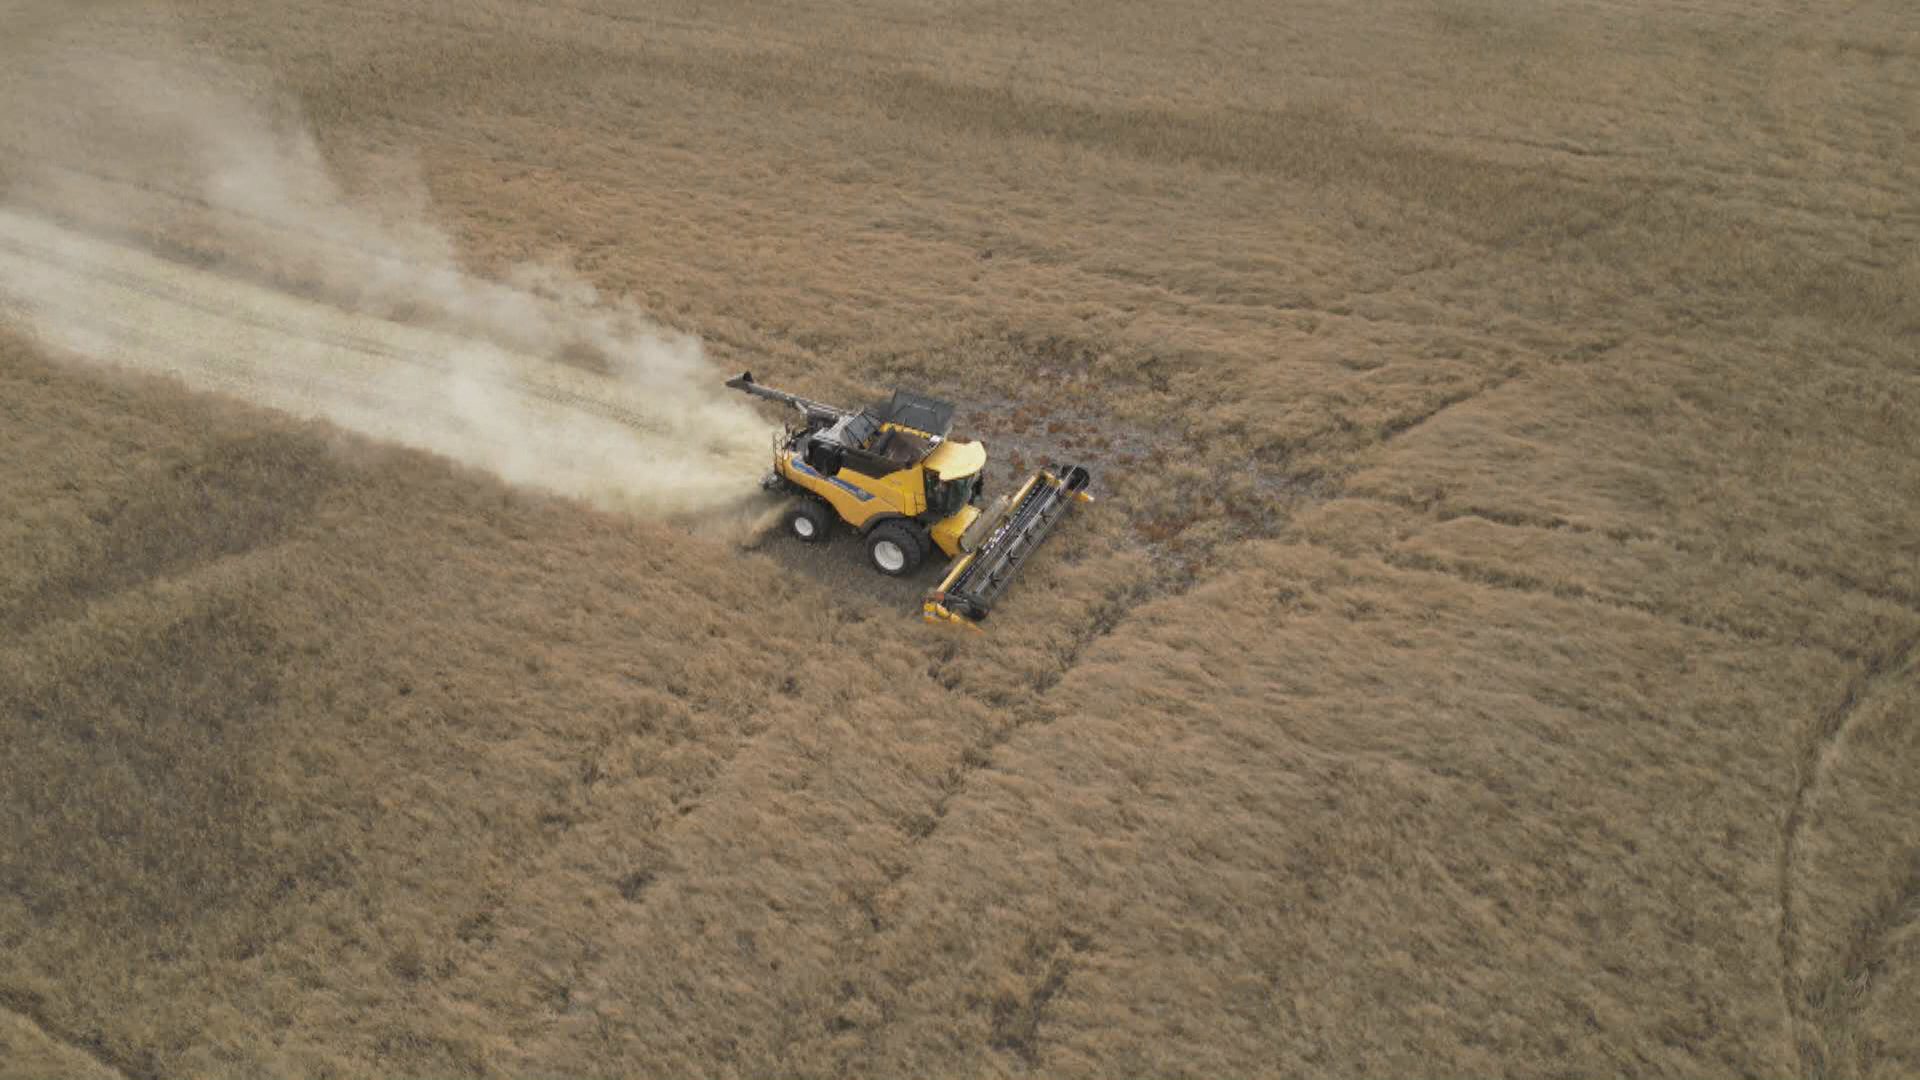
916,411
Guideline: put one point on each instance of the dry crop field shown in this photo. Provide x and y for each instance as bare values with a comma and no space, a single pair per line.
1495,650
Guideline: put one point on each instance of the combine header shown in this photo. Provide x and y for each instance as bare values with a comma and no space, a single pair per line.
891,473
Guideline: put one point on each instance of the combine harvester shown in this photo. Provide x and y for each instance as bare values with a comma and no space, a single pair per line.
891,473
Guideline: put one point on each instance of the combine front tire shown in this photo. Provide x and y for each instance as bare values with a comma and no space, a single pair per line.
894,549
807,522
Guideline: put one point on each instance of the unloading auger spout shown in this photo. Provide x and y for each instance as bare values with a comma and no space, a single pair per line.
812,410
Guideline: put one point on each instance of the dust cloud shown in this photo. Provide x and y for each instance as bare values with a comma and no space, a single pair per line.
354,309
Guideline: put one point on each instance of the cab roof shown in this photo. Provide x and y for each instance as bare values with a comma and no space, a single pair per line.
957,460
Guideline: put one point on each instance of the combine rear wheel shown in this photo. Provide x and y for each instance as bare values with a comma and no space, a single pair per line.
895,549
807,521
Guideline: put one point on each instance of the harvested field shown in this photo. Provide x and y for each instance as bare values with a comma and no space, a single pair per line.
1495,648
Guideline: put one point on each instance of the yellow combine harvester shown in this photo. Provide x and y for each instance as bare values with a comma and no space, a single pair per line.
891,473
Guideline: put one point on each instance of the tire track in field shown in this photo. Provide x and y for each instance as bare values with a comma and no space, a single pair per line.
1887,592
1822,742
1494,578
1835,1008
1016,1020
30,1007
1405,424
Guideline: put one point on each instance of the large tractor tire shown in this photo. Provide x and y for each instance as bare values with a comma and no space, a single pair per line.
807,521
894,549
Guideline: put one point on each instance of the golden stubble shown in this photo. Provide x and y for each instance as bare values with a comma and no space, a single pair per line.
1492,650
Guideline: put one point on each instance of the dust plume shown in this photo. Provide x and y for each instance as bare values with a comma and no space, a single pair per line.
279,287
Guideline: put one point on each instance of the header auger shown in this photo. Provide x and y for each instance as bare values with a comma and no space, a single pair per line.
890,472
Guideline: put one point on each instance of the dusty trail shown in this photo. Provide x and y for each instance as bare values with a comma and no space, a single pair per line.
641,443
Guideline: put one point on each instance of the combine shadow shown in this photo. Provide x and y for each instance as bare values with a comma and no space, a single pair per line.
839,562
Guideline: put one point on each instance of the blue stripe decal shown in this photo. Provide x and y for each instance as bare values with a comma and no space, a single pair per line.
859,493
